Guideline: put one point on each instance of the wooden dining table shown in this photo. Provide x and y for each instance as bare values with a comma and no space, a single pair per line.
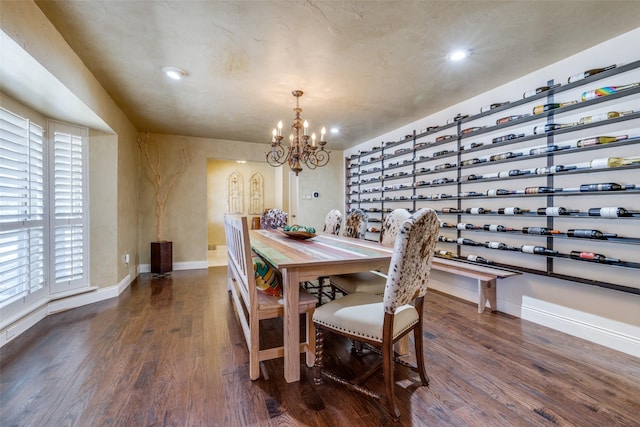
306,260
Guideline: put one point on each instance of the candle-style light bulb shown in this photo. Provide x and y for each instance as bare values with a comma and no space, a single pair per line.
306,127
313,139
275,133
280,128
322,132
291,140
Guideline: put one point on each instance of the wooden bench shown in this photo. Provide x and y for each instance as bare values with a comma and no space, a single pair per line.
485,275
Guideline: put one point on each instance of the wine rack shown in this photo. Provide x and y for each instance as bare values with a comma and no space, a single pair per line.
466,164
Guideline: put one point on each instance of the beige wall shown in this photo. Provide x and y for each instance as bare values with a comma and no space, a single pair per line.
218,172
186,222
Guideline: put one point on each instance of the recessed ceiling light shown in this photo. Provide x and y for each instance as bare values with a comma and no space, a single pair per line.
174,73
458,54
335,130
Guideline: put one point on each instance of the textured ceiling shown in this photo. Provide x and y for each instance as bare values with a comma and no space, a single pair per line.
366,67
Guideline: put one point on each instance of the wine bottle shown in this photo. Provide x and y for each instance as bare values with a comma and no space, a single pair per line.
544,231
496,227
471,177
465,226
475,211
593,257
446,254
588,73
508,137
471,129
596,140
554,211
613,162
457,118
585,233
498,245
440,196
540,250
469,242
599,117
498,192
547,149
445,239
539,109
479,259
539,190
450,210
503,156
607,90
492,106
511,118
604,186
553,169
609,212
472,145
471,161
444,166
538,90
512,210
443,137
551,127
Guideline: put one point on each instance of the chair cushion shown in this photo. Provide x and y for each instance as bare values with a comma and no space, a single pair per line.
371,282
362,315
267,279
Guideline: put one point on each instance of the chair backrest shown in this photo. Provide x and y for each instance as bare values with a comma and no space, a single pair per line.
355,224
239,254
391,226
273,218
410,265
332,222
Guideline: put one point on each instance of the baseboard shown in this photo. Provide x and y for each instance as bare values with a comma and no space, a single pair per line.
56,304
188,265
609,333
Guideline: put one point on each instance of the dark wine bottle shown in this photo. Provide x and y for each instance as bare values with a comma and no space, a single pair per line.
537,90
596,140
554,211
586,233
479,259
498,192
475,211
604,186
609,212
539,109
591,256
468,242
492,106
588,73
544,231
496,227
540,250
512,211
538,190
445,239
551,127
465,226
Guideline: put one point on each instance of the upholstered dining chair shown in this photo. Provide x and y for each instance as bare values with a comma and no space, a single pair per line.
381,323
273,218
372,281
355,224
332,222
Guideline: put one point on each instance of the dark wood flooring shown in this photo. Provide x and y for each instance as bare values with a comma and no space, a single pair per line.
169,352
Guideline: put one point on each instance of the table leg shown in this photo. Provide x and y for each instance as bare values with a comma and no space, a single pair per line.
291,326
487,292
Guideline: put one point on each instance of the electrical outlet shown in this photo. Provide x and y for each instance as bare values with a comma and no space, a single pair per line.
126,259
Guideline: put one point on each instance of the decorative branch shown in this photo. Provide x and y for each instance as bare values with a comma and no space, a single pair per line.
154,164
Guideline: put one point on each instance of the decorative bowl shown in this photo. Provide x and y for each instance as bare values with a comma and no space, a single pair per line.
300,235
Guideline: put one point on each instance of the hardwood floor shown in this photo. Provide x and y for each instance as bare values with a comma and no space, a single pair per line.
169,352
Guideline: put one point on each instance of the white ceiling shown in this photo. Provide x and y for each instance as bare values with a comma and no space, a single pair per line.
366,67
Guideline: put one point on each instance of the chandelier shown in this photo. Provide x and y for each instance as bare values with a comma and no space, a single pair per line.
302,148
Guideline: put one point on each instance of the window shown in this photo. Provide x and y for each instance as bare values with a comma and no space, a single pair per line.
43,209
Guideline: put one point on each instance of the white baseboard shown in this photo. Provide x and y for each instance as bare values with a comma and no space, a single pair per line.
188,265
56,304
606,332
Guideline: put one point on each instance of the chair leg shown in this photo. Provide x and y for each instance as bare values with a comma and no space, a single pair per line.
317,367
389,383
417,338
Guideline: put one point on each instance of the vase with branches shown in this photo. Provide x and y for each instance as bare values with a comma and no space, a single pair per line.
162,184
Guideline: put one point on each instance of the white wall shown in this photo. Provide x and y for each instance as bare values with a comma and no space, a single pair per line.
604,316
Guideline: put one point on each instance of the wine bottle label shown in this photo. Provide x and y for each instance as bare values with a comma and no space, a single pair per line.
609,212
462,226
495,227
544,149
577,77
511,211
494,245
584,233
601,163
503,174
530,249
473,257
587,255
476,211
555,211
536,230
461,240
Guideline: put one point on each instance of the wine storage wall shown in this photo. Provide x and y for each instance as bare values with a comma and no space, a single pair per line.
435,168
